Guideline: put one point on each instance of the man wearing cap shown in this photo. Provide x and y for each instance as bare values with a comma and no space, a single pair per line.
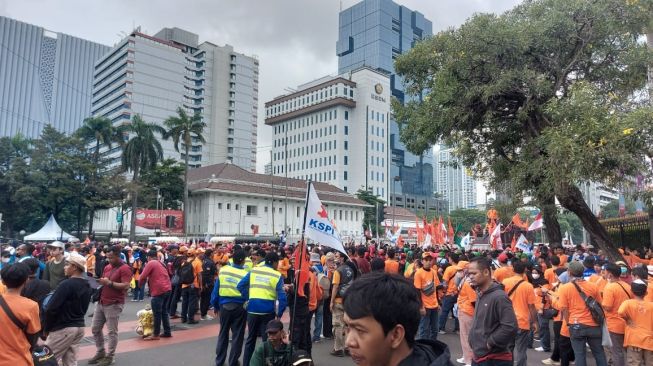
275,350
582,326
190,293
228,303
426,282
177,258
54,272
64,316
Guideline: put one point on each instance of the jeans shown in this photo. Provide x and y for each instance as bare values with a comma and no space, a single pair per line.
139,292
174,300
545,333
189,297
256,324
160,314
521,347
428,325
555,355
617,350
109,315
447,306
232,318
581,334
318,322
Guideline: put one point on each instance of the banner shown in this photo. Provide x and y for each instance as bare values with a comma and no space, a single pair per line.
170,221
317,226
522,244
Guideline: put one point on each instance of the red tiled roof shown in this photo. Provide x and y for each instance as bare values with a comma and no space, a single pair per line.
232,178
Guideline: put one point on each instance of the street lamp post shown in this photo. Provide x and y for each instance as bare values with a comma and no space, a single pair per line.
395,179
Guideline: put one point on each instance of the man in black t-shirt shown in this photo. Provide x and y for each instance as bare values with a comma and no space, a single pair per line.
64,312
35,289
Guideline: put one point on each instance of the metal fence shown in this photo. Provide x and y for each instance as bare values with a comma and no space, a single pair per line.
629,231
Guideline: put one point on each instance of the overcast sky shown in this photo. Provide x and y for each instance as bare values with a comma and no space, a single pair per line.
295,40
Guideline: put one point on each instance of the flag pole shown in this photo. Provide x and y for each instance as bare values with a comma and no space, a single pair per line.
302,245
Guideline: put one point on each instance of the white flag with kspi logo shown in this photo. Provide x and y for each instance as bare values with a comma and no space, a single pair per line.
318,227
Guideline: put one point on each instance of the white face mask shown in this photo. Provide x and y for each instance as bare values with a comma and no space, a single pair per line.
536,276
5,260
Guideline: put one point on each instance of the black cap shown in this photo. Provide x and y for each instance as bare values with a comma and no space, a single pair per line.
271,257
274,325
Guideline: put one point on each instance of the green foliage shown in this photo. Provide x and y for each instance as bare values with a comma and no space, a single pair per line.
468,218
370,218
166,176
570,223
143,149
611,210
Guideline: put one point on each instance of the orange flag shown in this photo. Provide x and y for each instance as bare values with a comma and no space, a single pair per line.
400,242
443,232
450,232
513,244
436,231
420,233
302,262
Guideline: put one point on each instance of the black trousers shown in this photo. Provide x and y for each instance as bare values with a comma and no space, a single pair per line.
327,319
256,324
232,318
301,329
555,355
174,300
189,296
205,300
566,352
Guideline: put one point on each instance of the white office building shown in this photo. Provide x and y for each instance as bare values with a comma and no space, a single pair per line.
453,181
152,76
334,130
45,78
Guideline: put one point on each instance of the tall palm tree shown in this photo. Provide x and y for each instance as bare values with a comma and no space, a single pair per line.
184,128
142,151
100,130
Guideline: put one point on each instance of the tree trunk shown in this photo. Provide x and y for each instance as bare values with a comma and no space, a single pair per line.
571,198
550,218
650,226
132,221
184,216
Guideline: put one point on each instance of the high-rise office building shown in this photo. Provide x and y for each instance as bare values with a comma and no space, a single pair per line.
334,130
453,181
152,76
373,33
45,78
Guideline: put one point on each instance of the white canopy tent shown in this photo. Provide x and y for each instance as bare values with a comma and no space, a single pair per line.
49,232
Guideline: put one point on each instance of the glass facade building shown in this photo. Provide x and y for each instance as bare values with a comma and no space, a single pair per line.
372,33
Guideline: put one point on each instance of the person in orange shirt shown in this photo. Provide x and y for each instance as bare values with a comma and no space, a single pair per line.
638,314
190,292
522,296
582,326
451,293
426,281
504,271
284,265
614,294
550,273
640,273
466,300
391,264
562,354
564,258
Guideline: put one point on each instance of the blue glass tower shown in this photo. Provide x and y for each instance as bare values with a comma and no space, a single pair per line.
373,33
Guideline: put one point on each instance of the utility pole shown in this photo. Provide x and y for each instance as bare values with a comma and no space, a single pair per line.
272,182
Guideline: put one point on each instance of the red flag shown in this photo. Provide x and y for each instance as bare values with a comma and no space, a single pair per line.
513,244
436,231
302,262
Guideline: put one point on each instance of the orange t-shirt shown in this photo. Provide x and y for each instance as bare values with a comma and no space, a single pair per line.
571,300
466,296
422,279
197,272
613,296
599,281
449,277
13,342
283,267
563,260
315,294
550,275
335,280
3,289
649,294
502,273
639,323
541,301
521,298
391,266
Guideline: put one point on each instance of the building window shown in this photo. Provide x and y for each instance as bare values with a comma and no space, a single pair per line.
346,115
252,210
346,160
265,209
280,209
219,205
298,211
236,207
346,129
345,176
346,146
228,206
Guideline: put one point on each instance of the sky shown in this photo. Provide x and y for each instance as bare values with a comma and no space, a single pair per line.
295,40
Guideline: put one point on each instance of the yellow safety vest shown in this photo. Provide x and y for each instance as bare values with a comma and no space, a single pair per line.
229,277
248,263
263,283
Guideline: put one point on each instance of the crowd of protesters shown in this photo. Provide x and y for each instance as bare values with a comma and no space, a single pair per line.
378,304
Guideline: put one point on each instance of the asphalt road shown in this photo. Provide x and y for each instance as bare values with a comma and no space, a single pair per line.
195,345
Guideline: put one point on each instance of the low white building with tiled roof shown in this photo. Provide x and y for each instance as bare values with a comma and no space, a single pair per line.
228,200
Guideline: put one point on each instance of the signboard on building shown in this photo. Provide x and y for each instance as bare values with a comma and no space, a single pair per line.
167,221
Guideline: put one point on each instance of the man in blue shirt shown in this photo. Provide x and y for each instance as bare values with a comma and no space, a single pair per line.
263,287
228,304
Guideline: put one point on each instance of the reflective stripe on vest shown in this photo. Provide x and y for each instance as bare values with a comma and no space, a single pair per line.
263,283
229,277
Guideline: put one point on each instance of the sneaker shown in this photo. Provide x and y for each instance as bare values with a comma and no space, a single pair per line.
549,361
207,317
97,358
442,332
539,349
461,360
109,360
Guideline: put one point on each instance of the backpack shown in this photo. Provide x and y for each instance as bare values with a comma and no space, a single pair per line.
208,271
592,305
186,274
346,278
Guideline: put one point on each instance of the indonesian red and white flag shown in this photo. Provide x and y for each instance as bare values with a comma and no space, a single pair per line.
495,237
317,226
537,224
